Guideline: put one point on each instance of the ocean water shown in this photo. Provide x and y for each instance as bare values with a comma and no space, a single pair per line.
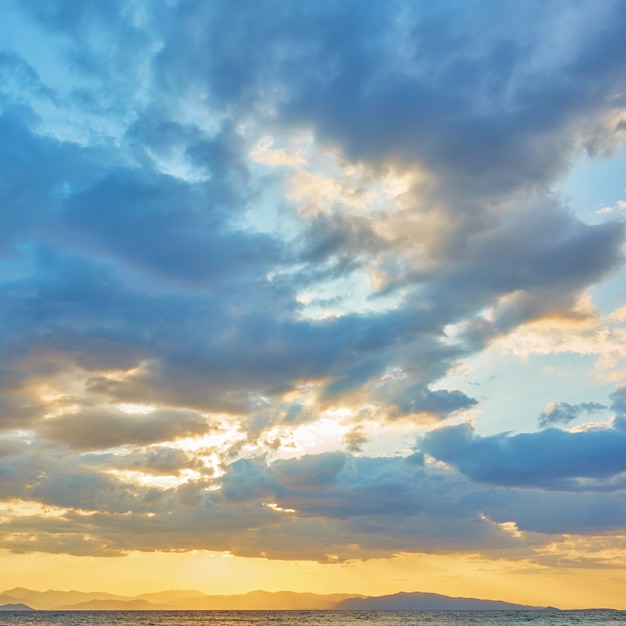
311,618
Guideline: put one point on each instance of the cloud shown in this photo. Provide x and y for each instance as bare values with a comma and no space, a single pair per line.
163,218
165,214
419,400
325,505
153,460
618,401
320,507
563,413
101,429
309,472
355,438
619,206
19,82
549,459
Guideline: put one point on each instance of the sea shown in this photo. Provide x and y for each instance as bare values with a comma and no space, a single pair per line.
310,618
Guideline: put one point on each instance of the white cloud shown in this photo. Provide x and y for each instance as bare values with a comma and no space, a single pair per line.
620,205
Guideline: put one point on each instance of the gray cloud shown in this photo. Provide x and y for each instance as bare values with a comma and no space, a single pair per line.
341,506
309,472
618,401
330,506
101,429
355,438
547,459
564,413
536,255
441,402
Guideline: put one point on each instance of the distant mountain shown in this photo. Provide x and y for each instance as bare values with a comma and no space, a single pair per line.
111,605
171,596
263,600
254,600
46,600
427,602
15,607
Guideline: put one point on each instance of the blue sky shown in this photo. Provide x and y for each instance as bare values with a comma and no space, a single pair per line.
314,281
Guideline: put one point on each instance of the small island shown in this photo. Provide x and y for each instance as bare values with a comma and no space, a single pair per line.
15,607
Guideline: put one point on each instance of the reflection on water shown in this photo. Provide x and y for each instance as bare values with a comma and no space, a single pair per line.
310,618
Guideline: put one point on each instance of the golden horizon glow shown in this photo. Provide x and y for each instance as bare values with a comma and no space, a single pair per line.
455,575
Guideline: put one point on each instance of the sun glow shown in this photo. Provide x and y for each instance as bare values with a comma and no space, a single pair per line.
143,479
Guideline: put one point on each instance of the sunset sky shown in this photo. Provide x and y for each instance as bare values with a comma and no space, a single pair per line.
314,295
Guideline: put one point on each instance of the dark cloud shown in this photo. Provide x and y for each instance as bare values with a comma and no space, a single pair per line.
547,459
329,504
482,109
564,413
342,240
154,460
355,438
441,402
100,429
308,472
321,507
234,333
200,247
618,401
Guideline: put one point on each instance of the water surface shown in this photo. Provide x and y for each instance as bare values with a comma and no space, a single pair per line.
311,618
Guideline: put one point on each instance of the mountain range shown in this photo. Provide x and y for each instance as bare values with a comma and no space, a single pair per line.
254,600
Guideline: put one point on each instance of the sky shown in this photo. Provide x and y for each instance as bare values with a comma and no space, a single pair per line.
321,296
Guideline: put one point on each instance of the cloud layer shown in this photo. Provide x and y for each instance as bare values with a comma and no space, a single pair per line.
226,230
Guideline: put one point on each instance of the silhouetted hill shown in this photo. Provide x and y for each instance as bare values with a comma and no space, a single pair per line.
171,595
51,599
111,605
15,607
427,602
263,600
